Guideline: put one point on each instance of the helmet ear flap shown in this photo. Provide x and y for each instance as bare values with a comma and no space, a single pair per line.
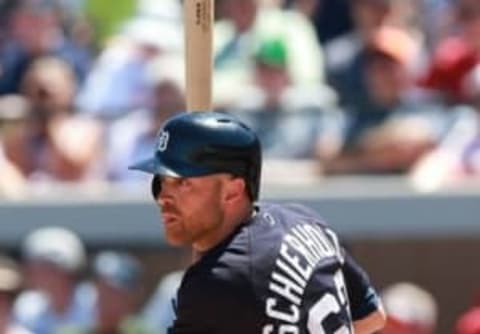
156,186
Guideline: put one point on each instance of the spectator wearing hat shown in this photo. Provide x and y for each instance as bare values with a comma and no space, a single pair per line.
410,309
10,285
402,122
454,72
287,116
118,280
243,27
456,56
346,56
54,258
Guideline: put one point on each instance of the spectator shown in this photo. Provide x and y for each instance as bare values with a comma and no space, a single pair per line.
346,55
469,321
410,309
54,143
401,124
456,56
119,81
159,311
10,285
455,160
36,31
237,37
271,74
54,259
118,278
287,116
133,136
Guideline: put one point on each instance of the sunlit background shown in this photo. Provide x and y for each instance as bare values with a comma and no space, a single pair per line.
367,110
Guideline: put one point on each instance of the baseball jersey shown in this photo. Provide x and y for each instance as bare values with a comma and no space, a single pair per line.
283,271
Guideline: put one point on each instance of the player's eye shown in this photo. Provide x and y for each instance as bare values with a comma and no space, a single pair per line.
184,182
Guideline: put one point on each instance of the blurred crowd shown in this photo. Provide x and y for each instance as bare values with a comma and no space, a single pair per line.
57,288
61,288
355,86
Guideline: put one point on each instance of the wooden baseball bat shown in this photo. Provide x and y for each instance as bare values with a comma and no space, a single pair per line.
198,21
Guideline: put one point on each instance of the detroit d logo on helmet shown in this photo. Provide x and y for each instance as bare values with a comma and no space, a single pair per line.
163,141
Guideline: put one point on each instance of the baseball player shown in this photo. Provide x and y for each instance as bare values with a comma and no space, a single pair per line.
259,268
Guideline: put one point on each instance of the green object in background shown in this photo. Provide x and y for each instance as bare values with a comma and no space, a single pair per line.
108,16
272,52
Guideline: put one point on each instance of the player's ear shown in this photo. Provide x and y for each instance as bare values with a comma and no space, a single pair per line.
234,189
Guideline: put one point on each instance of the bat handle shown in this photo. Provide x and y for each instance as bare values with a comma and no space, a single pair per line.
198,18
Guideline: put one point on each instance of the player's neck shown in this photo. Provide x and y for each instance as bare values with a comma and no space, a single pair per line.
231,222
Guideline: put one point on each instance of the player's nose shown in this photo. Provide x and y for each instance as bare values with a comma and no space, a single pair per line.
165,196
162,201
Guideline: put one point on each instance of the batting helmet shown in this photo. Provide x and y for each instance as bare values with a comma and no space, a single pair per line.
203,143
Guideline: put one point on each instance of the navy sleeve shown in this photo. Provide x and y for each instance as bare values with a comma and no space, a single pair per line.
363,297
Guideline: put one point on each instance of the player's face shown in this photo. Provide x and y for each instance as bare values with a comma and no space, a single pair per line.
192,210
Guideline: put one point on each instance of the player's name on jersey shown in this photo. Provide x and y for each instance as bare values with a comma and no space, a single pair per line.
300,252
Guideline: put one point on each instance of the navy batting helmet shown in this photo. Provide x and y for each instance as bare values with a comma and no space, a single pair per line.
202,143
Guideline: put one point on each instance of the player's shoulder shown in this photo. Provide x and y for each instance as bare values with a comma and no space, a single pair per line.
289,214
274,222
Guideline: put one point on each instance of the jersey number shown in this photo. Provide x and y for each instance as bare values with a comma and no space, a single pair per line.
329,304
